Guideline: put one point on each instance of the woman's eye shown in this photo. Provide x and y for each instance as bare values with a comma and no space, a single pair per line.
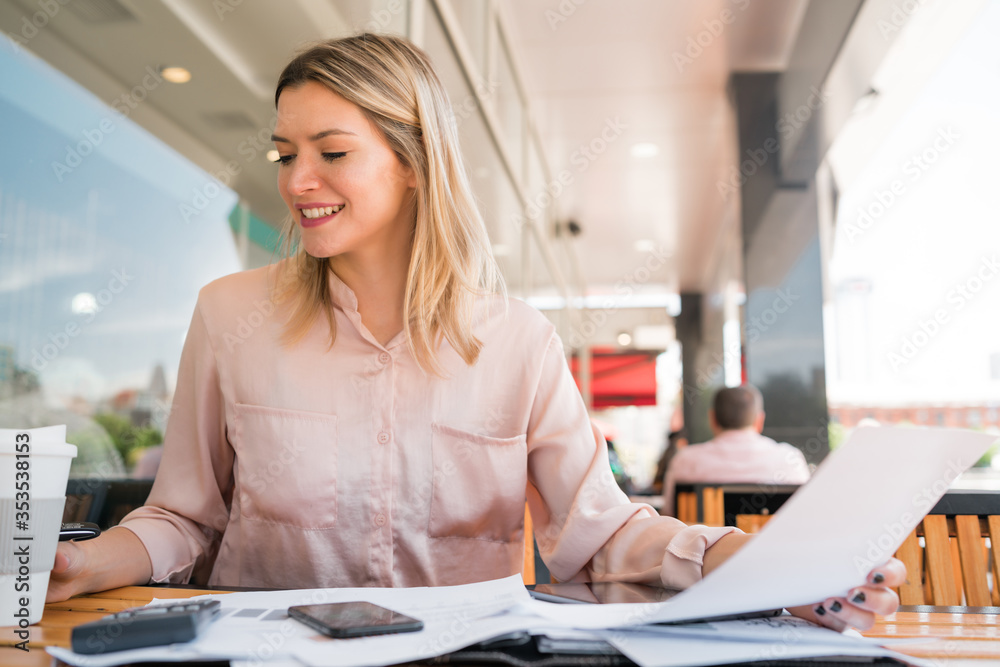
284,159
330,157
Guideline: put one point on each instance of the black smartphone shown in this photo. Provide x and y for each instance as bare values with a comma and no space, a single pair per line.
353,619
79,531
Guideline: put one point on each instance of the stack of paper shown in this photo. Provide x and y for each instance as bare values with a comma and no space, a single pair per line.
851,517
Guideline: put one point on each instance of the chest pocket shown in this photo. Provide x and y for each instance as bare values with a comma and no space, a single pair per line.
483,496
286,465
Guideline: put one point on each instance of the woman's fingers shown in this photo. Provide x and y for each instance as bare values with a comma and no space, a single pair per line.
876,599
841,613
819,615
67,566
892,574
859,608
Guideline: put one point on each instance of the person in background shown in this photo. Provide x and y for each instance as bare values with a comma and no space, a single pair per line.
676,441
738,452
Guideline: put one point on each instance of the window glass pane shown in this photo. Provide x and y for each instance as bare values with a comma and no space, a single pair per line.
106,236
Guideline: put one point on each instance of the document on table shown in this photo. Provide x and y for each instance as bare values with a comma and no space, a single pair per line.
764,639
256,627
863,501
852,516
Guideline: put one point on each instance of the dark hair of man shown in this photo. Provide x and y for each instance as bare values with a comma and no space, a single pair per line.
737,407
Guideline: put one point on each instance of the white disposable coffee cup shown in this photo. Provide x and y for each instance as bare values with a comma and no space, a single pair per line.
31,510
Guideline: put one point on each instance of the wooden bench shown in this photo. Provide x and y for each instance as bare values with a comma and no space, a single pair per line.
951,556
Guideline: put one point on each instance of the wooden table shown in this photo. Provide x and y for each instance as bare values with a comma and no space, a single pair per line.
60,617
955,637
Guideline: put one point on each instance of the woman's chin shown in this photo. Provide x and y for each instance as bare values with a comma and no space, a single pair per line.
318,251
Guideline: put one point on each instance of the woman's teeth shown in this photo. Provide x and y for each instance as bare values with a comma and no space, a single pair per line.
321,212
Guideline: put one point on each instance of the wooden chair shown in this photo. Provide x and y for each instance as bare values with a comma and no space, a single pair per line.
738,505
952,555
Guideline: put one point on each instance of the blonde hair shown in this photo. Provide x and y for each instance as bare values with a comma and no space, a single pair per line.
451,261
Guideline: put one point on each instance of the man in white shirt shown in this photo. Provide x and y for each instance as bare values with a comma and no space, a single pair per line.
738,453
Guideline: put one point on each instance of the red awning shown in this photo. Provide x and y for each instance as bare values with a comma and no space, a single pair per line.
620,378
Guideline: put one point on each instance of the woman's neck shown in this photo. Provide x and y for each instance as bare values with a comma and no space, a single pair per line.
379,284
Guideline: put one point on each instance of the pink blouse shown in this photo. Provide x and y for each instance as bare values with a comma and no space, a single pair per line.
311,466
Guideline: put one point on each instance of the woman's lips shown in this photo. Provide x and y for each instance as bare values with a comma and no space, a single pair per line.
319,220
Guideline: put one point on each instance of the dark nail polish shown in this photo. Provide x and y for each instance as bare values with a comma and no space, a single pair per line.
820,611
835,607
859,598
878,578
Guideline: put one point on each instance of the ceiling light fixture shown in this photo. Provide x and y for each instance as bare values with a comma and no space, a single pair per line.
624,339
273,155
175,74
645,150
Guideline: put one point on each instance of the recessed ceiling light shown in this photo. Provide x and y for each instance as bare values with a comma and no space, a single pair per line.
175,74
84,302
273,155
645,150
624,339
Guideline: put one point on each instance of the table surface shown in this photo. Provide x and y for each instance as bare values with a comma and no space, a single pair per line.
951,637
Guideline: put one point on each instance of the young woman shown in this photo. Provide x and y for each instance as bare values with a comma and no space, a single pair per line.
371,411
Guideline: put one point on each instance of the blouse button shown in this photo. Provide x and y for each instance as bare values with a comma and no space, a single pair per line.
384,357
383,438
379,519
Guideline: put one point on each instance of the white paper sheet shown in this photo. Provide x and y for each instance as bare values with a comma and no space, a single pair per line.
449,614
853,514
657,649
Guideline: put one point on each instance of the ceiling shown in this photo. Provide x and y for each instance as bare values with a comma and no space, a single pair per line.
609,63
639,62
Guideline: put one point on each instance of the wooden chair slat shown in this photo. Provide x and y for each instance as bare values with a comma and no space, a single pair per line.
970,550
912,592
993,523
940,570
528,570
687,507
752,523
713,510
956,564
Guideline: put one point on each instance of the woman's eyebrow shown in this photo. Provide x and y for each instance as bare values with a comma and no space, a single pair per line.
315,137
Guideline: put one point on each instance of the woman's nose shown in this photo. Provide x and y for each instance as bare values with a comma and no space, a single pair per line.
303,177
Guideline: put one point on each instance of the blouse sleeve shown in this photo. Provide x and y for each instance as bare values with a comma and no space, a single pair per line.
188,507
585,526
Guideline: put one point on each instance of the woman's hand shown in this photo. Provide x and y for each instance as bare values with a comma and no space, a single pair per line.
859,607
66,578
116,558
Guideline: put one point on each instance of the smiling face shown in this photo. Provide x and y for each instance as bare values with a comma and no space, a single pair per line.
344,186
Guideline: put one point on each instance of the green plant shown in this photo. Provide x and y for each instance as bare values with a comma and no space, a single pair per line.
987,458
837,434
127,437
